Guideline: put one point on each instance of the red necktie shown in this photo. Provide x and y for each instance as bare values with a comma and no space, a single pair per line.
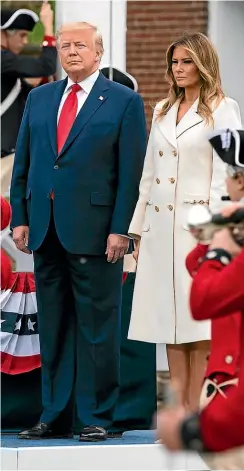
66,119
67,116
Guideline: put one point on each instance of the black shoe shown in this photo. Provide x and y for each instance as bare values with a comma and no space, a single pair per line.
92,433
115,434
43,430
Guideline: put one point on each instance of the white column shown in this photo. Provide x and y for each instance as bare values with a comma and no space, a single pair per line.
226,30
98,12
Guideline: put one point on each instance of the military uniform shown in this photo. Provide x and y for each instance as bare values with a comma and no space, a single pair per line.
222,370
14,89
218,294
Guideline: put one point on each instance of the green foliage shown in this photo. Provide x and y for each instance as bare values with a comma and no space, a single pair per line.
35,5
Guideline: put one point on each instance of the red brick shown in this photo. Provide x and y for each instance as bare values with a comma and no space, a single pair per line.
151,27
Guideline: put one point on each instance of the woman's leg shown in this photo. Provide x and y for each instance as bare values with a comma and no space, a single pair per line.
179,369
198,352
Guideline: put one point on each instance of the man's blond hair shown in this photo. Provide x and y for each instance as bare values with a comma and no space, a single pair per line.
82,25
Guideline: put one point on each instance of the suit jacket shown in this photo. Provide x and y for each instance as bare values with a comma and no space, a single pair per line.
224,355
214,295
95,177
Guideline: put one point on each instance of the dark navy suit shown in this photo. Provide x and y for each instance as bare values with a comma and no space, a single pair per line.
95,180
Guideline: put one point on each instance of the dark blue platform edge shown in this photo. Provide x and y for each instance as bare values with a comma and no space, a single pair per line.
135,437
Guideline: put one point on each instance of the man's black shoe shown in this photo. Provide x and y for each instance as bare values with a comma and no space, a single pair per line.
92,433
43,430
115,434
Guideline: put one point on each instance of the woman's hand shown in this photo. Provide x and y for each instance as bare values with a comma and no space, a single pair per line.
137,248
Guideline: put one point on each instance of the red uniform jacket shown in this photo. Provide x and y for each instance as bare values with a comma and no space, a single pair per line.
217,293
224,355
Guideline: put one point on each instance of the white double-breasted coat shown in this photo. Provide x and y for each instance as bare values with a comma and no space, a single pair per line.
181,169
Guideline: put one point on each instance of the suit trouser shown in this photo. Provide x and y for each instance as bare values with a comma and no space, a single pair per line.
79,300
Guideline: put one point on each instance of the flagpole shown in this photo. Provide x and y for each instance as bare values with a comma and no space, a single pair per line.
111,40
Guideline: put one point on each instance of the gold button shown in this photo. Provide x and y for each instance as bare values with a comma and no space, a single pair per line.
174,153
161,153
157,209
157,180
170,207
172,179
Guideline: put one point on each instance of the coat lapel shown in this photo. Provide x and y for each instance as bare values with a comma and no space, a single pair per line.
189,120
54,106
95,99
167,124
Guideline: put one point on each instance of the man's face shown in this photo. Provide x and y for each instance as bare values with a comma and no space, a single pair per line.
235,186
78,53
17,41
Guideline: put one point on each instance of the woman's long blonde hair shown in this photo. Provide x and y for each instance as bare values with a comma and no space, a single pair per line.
206,59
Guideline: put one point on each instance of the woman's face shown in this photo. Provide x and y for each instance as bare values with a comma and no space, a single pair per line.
185,72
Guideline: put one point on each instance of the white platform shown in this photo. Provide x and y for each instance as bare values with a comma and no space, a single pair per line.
98,457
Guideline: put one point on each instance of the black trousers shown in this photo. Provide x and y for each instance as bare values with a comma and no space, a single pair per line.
79,301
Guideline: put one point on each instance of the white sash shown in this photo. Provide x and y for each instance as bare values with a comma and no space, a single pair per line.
9,100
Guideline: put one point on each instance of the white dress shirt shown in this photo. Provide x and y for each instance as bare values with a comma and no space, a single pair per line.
86,87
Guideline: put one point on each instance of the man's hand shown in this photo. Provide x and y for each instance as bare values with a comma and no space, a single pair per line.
46,17
229,210
137,248
117,247
33,81
20,238
223,240
169,426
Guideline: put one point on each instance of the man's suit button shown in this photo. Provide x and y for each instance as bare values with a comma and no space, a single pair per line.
228,359
56,167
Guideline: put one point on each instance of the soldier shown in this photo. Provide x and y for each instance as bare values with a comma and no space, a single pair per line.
19,73
214,294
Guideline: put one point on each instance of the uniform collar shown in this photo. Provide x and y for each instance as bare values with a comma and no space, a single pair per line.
86,84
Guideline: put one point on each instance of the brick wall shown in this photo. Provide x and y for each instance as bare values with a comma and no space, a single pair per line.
151,27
